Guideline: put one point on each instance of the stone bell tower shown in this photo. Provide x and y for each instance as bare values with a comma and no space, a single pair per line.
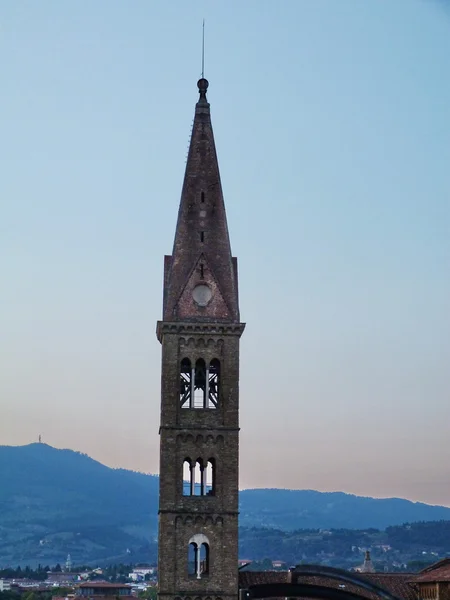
199,430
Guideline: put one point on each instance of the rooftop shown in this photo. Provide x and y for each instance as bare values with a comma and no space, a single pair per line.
440,571
398,584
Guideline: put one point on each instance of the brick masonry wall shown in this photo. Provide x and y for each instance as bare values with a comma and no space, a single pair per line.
199,433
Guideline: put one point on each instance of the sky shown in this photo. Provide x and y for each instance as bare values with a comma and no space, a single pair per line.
332,126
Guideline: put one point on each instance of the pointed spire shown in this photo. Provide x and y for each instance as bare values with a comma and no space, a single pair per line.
368,564
201,275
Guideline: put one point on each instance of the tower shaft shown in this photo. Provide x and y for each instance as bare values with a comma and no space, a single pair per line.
199,428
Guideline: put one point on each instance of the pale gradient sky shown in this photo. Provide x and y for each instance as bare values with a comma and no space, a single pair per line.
332,124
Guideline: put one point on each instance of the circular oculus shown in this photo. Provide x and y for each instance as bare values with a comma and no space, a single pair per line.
202,294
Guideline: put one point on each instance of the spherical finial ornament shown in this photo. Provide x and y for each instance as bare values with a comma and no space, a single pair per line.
202,85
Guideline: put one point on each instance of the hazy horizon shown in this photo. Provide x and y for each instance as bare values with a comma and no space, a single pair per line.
332,126
240,488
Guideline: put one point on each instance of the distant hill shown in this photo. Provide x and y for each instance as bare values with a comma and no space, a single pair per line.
408,547
53,502
307,509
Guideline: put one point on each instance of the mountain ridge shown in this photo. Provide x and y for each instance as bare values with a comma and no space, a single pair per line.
251,489
270,489
59,501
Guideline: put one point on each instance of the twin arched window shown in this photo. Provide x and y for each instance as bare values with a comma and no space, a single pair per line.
198,556
199,478
199,384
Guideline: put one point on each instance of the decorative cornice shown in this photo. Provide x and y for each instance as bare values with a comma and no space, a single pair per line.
197,427
180,327
189,512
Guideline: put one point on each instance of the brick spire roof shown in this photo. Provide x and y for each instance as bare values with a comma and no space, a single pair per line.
200,277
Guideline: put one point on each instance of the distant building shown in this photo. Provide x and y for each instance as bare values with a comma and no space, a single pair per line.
61,577
383,547
139,573
367,566
68,563
102,589
5,586
433,583
25,586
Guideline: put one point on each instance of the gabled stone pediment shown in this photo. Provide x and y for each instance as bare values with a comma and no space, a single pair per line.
201,296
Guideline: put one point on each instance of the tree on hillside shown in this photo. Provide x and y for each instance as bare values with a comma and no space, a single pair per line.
149,594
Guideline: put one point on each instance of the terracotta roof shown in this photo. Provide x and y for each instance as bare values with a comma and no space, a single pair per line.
437,572
398,584
436,565
248,578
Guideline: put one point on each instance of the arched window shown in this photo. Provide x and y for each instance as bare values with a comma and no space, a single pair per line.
200,384
192,559
198,556
188,480
210,478
198,478
204,559
185,383
213,383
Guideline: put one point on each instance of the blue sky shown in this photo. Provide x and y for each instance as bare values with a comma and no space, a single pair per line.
332,125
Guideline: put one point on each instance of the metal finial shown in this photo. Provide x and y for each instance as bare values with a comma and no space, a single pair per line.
202,83
203,50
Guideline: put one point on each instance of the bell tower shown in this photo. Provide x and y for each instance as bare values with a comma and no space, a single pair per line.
199,428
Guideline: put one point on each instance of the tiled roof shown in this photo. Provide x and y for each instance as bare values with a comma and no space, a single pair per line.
248,578
398,584
436,565
438,573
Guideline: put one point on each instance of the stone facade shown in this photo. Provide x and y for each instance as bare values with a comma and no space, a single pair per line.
199,430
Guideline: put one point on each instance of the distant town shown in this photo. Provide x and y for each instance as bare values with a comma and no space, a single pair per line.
67,581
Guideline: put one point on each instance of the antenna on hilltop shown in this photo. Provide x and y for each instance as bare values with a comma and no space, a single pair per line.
40,439
203,50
